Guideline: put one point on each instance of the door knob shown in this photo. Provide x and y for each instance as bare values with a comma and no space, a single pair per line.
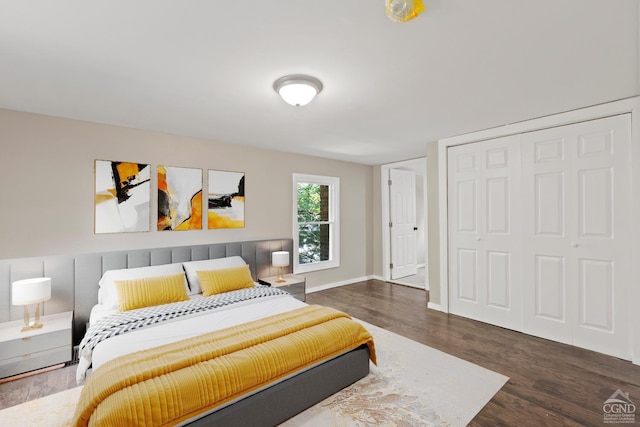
478,238
574,244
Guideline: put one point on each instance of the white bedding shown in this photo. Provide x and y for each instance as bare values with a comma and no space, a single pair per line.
186,327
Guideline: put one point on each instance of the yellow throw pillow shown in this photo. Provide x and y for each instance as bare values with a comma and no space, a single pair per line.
225,280
150,291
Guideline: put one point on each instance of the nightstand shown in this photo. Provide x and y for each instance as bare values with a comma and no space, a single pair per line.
293,284
35,349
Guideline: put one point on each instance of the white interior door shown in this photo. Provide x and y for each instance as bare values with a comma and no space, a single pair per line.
577,246
402,206
484,234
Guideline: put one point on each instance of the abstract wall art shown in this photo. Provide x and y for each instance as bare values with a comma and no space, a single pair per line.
179,198
226,199
122,197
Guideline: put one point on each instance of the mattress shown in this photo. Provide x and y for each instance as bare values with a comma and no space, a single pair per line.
188,326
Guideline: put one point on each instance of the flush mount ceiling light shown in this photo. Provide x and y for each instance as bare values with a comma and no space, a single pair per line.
297,89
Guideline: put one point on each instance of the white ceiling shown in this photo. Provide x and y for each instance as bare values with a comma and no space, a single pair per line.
206,68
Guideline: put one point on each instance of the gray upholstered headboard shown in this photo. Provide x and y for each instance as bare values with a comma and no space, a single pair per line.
74,278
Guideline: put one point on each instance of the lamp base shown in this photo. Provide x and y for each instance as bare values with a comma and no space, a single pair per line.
280,279
27,328
29,325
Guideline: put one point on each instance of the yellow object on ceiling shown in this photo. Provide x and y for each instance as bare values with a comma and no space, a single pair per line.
404,10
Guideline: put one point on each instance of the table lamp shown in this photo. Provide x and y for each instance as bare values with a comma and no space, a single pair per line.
31,291
280,259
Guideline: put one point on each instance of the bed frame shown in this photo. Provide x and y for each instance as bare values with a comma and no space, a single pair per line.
286,399
75,288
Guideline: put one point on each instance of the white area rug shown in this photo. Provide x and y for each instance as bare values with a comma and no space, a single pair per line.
412,385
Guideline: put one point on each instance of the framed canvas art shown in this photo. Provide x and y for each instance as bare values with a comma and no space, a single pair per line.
226,199
179,198
122,197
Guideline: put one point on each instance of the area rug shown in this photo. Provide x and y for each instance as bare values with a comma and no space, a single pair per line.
412,385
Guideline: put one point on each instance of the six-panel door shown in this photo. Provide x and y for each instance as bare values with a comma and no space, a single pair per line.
484,234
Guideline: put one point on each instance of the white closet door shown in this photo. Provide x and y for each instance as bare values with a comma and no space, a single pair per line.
484,233
576,247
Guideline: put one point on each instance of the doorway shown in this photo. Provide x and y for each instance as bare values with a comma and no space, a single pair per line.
404,222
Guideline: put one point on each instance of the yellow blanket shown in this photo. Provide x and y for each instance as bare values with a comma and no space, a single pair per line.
175,382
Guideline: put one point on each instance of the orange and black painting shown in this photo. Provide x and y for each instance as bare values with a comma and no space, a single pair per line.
179,198
122,196
226,199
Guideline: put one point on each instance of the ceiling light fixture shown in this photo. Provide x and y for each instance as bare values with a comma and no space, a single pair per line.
297,89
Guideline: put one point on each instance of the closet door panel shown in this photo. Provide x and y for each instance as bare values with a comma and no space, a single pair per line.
596,295
499,280
576,192
547,162
546,313
602,243
465,221
548,204
498,202
484,230
467,261
501,233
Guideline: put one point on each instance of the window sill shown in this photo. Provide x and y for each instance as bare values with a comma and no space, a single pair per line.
316,266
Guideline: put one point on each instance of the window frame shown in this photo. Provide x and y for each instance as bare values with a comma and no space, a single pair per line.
334,223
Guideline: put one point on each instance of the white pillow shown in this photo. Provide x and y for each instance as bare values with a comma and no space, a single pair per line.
107,294
192,268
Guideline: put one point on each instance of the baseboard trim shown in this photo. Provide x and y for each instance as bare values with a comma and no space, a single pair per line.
319,288
435,306
337,284
408,285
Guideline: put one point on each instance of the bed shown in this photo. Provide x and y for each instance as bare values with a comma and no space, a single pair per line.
254,355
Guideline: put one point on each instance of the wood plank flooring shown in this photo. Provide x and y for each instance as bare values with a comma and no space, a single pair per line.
550,384
36,386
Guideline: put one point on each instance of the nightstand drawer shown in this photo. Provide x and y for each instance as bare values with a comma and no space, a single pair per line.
34,344
31,361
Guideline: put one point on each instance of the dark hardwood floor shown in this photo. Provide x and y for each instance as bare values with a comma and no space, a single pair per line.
550,383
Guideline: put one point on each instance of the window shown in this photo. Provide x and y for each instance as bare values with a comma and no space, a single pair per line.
316,231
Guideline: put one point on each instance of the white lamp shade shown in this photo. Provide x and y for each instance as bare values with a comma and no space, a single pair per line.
280,258
31,291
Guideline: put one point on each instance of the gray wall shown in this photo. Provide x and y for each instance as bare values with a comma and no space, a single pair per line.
46,195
